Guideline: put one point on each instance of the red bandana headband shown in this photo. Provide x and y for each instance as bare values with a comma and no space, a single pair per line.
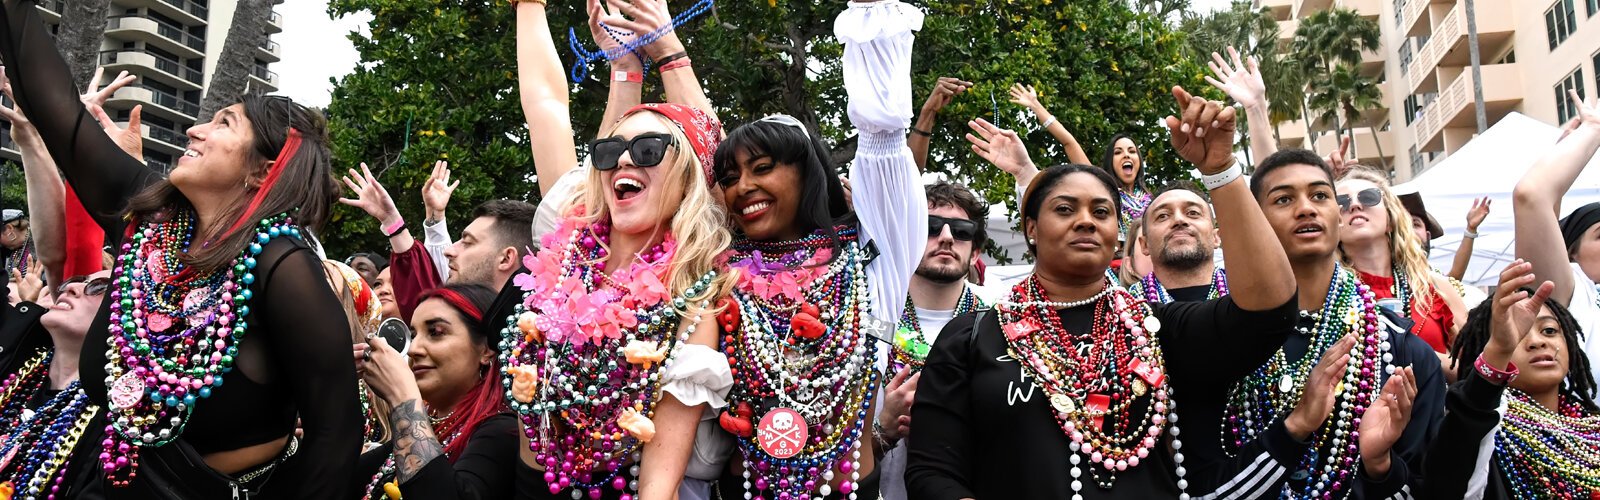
703,131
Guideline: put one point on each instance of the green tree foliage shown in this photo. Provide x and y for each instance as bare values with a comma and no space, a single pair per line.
1255,33
1327,49
445,72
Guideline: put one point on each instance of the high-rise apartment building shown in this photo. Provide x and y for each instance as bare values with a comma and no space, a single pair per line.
1530,52
172,46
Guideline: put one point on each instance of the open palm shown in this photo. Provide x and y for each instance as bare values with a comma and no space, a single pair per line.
1388,416
1240,79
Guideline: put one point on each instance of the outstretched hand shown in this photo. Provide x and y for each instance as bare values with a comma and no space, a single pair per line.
638,18
1588,111
1025,96
1513,312
1479,212
129,139
22,131
436,192
1317,398
1240,79
944,91
1386,420
1001,147
1203,134
371,197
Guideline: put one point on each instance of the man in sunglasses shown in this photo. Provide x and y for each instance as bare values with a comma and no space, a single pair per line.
1180,236
939,293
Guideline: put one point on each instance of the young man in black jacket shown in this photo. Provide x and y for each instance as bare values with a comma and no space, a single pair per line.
1349,404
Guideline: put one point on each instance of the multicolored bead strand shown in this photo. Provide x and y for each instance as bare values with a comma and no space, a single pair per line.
1093,391
38,448
1154,292
174,334
911,344
1548,454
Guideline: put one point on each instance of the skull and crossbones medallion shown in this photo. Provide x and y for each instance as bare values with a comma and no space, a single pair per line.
782,433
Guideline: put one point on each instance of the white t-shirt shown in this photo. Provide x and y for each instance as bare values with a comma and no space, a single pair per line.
1585,308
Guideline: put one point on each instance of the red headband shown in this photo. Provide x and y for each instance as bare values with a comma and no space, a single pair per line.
703,131
290,147
456,300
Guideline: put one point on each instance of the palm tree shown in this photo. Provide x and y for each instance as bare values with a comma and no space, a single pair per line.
1328,47
1255,33
247,31
83,25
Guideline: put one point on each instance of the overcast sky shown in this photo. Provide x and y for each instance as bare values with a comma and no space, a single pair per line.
315,48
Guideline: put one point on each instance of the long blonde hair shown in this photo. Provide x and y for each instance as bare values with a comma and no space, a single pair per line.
1405,248
696,220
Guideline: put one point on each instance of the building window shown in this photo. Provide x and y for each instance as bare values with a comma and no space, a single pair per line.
1416,161
1594,7
1405,56
1565,108
1559,22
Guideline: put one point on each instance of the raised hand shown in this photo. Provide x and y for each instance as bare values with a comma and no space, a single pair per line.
1204,133
1002,148
944,91
1588,111
1479,212
1316,400
371,197
1386,420
1241,79
1025,96
641,17
436,192
1338,162
22,131
129,139
609,43
1514,311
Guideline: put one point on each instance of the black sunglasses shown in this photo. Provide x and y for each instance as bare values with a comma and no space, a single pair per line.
646,150
91,287
960,229
1369,198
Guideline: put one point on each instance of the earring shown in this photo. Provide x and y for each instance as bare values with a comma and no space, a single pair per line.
1030,241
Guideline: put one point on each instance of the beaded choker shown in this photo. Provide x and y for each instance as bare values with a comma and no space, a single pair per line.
584,355
796,334
1151,289
1098,380
1272,391
911,345
174,334
1541,452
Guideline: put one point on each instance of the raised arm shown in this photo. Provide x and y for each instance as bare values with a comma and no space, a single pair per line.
435,232
46,206
886,186
542,86
666,53
1241,80
1028,96
1536,201
1259,275
411,269
944,90
1475,217
1003,148
101,173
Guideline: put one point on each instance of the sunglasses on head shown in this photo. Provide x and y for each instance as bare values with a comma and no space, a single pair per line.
1369,198
786,120
91,287
646,150
960,229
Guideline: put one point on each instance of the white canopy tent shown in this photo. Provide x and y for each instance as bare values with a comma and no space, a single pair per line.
1490,165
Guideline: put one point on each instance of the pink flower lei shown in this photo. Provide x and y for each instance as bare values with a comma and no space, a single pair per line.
564,285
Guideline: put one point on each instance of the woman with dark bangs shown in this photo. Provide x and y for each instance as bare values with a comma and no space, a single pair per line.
819,287
220,330
453,436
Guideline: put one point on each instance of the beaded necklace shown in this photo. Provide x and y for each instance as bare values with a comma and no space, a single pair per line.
173,334
634,46
1133,206
36,452
20,387
1095,378
1547,454
911,345
585,396
1153,292
1272,391
796,334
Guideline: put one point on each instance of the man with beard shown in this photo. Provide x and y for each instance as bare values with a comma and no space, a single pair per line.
939,293
1180,236
1346,407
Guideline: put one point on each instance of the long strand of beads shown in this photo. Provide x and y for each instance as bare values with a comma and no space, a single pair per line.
173,334
580,69
1541,451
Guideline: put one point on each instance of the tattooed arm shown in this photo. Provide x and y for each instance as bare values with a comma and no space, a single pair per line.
414,442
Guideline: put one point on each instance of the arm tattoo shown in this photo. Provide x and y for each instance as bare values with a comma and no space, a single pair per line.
414,442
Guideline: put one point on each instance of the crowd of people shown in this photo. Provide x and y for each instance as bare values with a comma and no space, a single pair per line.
699,313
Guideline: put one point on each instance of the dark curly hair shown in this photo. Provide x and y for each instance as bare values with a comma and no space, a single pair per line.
1579,384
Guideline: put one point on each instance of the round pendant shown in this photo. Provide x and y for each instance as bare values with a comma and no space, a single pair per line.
782,433
1152,324
1285,384
126,391
1139,389
1063,403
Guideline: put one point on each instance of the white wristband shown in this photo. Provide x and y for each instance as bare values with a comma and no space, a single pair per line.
1469,234
1213,182
1048,123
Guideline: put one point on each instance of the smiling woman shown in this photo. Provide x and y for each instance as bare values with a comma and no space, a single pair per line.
238,273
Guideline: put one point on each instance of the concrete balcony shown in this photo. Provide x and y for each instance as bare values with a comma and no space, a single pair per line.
146,64
1363,146
269,51
1292,134
1303,8
1366,8
50,10
1286,31
1448,45
163,36
263,76
158,138
274,23
166,105
1373,62
186,12
1502,91
1281,9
